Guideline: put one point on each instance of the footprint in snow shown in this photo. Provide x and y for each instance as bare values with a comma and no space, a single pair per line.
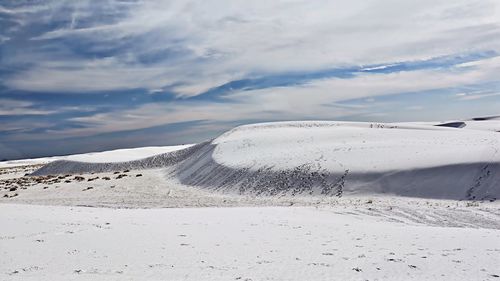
357,269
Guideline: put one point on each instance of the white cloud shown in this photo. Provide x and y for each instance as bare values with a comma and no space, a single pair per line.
476,96
33,8
324,91
231,40
88,76
16,107
4,39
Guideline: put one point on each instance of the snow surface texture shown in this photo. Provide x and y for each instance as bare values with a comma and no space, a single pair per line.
273,243
332,159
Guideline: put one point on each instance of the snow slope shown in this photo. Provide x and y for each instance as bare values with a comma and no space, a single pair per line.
361,147
117,155
333,159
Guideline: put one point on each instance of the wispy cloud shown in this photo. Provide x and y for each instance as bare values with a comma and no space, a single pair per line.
15,107
476,96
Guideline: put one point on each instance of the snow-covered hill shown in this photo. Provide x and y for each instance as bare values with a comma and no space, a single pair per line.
333,159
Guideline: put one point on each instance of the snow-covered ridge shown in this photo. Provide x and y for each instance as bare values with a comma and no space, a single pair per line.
363,147
156,161
332,159
110,156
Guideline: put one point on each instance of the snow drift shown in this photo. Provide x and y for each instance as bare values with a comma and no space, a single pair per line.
331,159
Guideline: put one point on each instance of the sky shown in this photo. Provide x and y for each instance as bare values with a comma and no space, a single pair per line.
80,76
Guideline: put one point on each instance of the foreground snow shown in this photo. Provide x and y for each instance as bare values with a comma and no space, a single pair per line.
292,243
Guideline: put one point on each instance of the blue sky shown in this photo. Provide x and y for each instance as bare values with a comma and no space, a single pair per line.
78,76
